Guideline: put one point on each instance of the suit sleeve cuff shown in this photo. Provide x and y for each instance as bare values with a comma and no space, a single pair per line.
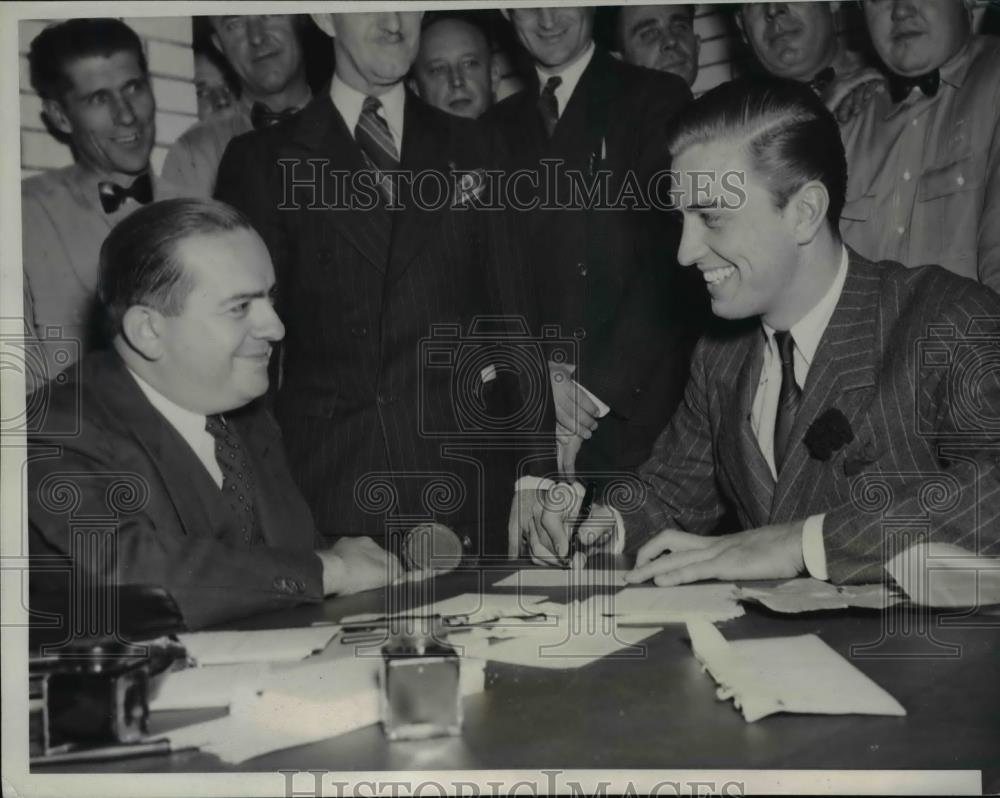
529,482
813,550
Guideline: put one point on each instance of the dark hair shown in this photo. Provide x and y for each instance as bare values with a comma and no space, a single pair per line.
64,42
790,136
201,44
138,264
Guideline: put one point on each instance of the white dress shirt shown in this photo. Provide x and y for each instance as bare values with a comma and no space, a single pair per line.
349,101
570,77
190,426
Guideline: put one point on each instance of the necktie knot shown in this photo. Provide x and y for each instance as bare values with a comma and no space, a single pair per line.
822,79
262,116
112,195
901,86
371,105
548,104
378,145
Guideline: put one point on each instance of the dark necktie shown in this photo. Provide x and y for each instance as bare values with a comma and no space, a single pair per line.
900,87
262,116
112,195
548,104
238,486
822,79
377,143
788,398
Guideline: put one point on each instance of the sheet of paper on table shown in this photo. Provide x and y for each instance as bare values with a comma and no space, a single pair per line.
787,674
300,705
945,575
709,602
203,688
562,577
809,595
268,645
472,604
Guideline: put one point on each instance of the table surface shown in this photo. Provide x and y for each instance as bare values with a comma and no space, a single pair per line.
660,710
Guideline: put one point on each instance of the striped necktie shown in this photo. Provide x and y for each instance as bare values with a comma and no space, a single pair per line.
548,104
377,144
238,485
789,397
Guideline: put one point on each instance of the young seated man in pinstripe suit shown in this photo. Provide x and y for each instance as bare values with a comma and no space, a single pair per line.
862,401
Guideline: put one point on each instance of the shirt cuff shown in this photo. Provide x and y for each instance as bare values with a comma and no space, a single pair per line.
617,543
602,408
813,550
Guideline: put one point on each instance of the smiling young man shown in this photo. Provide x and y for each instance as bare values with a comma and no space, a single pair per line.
798,420
925,156
169,416
92,77
265,53
660,37
454,70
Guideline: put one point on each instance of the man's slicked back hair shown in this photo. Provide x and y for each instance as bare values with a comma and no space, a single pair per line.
138,263
790,136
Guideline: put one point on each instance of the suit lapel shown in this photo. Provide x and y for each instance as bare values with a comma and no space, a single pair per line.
184,477
320,132
583,123
422,150
747,467
841,376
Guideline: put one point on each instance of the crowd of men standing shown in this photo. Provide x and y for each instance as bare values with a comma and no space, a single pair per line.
436,361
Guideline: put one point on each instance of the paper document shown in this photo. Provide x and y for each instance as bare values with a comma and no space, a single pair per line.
712,602
269,645
202,688
809,595
475,605
563,577
787,674
301,705
944,575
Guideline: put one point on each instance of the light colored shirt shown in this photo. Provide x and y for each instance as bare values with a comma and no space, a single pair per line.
570,77
924,175
850,71
189,425
192,163
349,101
62,229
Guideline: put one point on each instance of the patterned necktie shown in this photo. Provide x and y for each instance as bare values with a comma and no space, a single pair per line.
112,195
377,143
822,79
548,104
900,87
262,116
789,397
238,485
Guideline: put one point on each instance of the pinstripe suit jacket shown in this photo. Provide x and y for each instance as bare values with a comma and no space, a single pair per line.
366,417
909,358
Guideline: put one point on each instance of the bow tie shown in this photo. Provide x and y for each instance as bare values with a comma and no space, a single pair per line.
112,195
822,79
262,116
900,87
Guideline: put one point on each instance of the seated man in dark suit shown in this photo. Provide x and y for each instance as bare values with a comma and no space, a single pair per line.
861,405
169,446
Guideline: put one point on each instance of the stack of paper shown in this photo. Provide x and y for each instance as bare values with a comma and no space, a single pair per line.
809,595
645,605
945,575
269,645
787,674
203,688
563,577
301,705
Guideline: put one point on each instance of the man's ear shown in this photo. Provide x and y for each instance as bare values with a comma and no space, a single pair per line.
810,204
326,24
57,116
413,86
494,77
506,14
141,330
738,16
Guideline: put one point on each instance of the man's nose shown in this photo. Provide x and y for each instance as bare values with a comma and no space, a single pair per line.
772,10
692,245
255,29
456,77
124,114
902,9
268,325
546,17
389,22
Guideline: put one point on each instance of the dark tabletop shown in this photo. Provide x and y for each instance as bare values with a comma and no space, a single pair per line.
660,710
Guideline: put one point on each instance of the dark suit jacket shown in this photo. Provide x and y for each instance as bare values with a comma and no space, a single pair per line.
906,359
381,404
123,464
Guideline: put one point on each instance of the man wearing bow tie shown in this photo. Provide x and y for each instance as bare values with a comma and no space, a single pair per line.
372,278
799,41
265,52
925,155
92,77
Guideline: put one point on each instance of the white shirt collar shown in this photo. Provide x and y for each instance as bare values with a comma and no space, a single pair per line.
189,424
808,331
348,101
570,77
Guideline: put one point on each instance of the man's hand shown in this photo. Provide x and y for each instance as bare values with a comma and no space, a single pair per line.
542,520
355,564
857,99
575,411
676,558
567,448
